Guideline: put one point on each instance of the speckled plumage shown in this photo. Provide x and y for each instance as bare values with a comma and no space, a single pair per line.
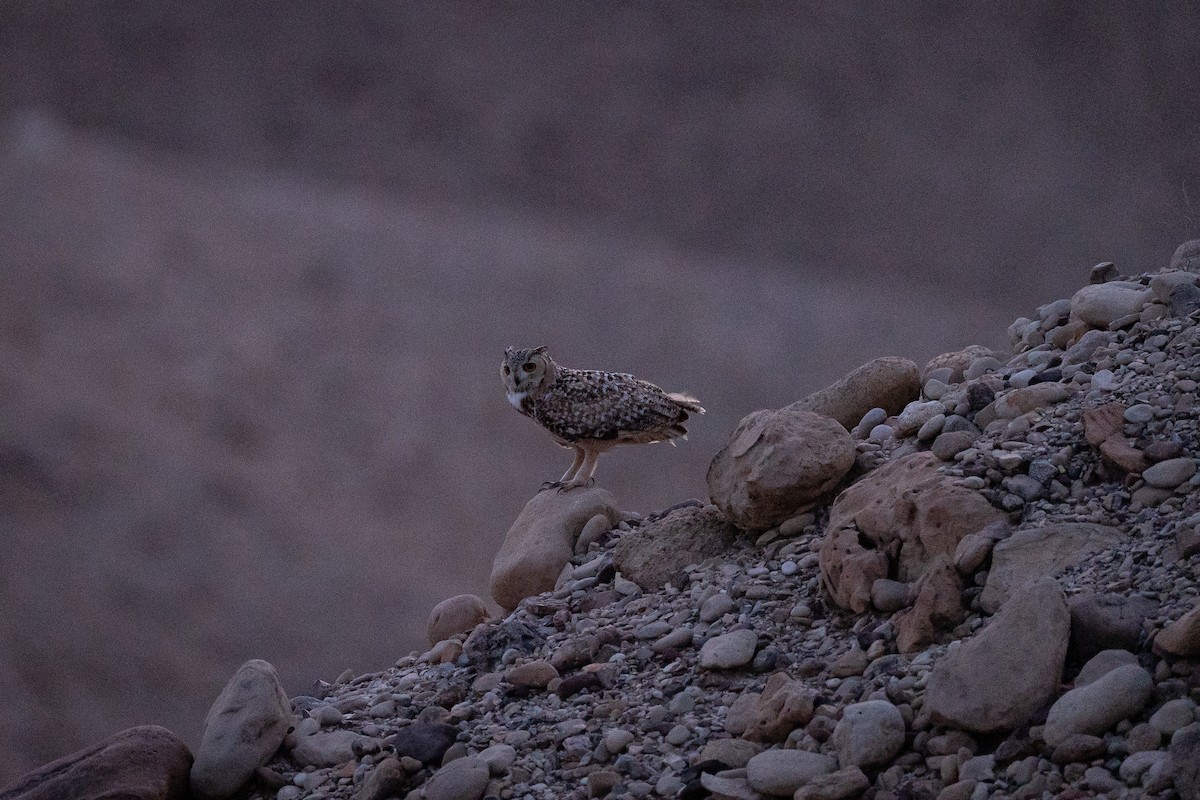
591,411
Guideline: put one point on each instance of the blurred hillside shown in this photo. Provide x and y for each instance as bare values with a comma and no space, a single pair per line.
259,266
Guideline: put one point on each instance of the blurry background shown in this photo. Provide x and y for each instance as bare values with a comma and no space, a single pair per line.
258,264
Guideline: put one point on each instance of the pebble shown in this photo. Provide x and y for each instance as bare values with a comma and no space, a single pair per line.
1140,413
716,607
1170,474
729,650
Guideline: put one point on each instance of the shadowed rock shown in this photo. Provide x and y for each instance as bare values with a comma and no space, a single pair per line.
143,763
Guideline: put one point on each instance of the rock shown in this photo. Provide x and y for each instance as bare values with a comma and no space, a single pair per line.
997,679
889,383
916,414
1086,346
973,549
781,772
531,674
1181,637
1100,304
655,553
426,742
541,541
1170,473
1185,300
458,614
906,507
243,729
595,528
142,763
1187,256
1022,401
1184,753
723,788
499,758
888,595
464,778
784,705
1097,707
938,605
776,464
950,443
1162,283
1103,422
327,748
1119,451
1107,621
729,650
734,753
1173,715
1137,764
870,734
716,607
1078,747
957,362
387,779
1049,550
1103,272
1103,663
840,785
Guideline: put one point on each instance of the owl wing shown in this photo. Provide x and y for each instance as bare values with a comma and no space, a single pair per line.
588,404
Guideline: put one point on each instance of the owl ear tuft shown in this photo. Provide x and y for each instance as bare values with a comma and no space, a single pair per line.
541,349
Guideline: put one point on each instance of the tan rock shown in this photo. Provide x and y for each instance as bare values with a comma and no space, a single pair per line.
904,512
458,614
1034,552
656,552
769,716
531,674
541,541
996,680
889,383
1030,398
1121,452
143,763
776,464
1103,422
243,729
938,606
957,362
1181,637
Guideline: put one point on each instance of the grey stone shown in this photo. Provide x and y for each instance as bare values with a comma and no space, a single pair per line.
869,734
1170,473
729,650
781,772
462,779
1100,705
243,729
1035,552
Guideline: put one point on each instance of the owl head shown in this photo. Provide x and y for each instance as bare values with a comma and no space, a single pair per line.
526,369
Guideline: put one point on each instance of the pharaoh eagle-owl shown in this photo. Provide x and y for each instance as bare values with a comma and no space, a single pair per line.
591,411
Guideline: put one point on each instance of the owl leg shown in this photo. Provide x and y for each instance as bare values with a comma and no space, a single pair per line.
583,472
569,474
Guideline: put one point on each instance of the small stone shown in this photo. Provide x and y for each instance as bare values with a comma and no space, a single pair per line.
616,740
1181,637
462,779
1170,473
1139,414
678,735
840,785
531,674
1173,715
734,753
869,734
716,607
729,651
949,444
602,782
499,758
1078,747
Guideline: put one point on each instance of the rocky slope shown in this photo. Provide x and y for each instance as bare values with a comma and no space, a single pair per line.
984,588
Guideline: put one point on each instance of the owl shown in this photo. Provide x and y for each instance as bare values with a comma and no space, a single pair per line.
591,411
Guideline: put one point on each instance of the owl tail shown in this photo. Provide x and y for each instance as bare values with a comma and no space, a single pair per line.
686,402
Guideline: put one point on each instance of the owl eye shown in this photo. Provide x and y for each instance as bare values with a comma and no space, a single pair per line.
529,366
505,369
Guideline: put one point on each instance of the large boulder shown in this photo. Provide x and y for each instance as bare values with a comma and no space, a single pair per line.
656,552
542,539
893,523
776,464
1048,550
143,763
782,706
454,615
243,729
1101,304
996,680
889,383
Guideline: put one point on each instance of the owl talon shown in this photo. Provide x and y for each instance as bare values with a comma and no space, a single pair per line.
551,485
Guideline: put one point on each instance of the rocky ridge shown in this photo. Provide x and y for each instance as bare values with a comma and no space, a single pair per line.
984,588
